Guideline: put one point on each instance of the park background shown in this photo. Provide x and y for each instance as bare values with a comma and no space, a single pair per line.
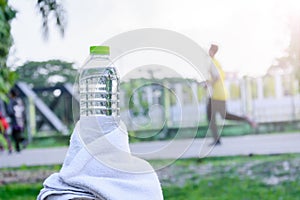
43,44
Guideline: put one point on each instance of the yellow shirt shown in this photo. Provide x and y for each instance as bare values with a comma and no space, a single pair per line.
219,90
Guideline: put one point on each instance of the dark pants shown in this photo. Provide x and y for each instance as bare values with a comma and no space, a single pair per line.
218,106
18,138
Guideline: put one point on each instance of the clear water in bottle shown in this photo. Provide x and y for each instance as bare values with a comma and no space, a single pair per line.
99,85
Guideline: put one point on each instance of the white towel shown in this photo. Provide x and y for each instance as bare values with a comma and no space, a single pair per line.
98,165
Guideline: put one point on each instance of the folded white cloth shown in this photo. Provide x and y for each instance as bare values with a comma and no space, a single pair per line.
98,165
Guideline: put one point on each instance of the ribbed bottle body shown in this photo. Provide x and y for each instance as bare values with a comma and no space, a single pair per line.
99,88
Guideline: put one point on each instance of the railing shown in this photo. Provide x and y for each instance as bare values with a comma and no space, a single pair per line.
187,110
273,109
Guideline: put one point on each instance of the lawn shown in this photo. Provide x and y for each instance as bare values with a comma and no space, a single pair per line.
226,187
24,191
221,178
240,178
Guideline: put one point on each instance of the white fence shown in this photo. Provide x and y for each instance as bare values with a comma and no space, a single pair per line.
279,108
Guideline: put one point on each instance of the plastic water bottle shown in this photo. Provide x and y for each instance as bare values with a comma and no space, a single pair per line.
99,85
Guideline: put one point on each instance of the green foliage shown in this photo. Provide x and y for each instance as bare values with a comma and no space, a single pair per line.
47,8
48,73
7,80
6,15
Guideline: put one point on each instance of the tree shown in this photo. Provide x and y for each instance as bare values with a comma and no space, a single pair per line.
291,61
47,8
294,47
7,80
6,15
48,73
7,77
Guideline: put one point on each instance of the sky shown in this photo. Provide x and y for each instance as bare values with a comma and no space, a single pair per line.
250,34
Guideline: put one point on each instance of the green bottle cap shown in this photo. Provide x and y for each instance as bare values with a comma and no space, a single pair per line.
102,50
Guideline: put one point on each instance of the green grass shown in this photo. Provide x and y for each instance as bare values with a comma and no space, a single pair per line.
49,141
224,160
230,129
218,188
231,188
33,168
227,179
20,191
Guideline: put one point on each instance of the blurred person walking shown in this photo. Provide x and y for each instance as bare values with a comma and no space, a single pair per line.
15,111
219,95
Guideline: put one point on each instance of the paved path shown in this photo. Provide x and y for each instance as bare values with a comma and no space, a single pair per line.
185,148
